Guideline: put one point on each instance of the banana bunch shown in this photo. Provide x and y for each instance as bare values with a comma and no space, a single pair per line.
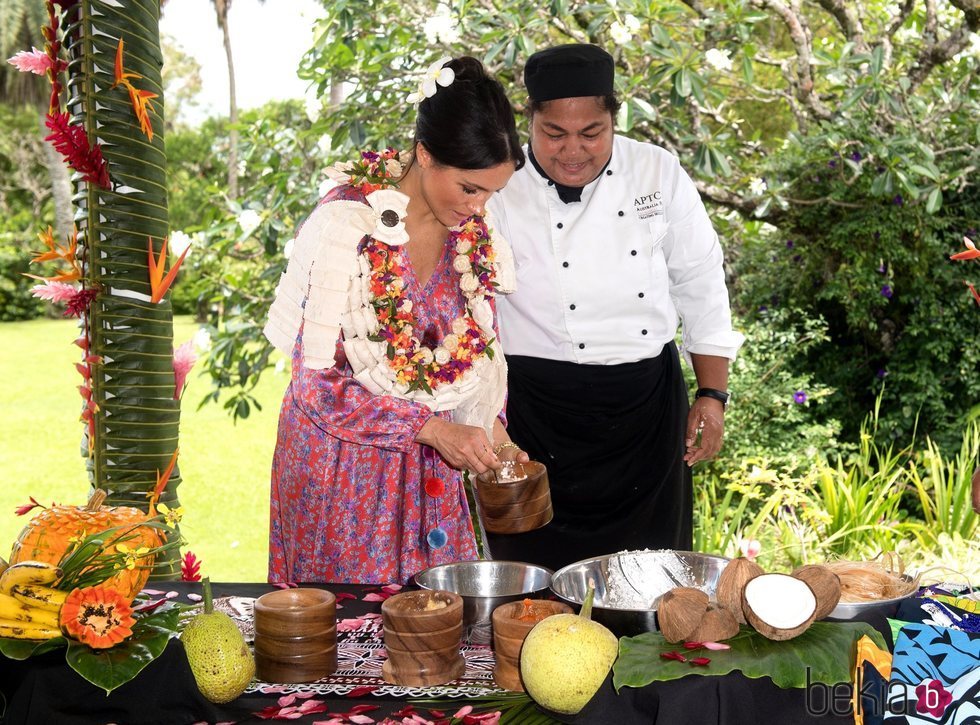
29,609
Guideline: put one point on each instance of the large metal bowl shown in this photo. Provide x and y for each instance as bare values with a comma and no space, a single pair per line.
484,585
629,585
859,610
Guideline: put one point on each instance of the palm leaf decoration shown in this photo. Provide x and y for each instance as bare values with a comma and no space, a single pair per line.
135,426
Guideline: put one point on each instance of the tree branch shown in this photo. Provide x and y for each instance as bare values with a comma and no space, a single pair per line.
801,42
849,22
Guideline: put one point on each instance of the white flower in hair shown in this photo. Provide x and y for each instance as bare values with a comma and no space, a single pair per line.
389,208
434,76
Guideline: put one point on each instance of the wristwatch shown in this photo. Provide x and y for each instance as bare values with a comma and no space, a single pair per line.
720,395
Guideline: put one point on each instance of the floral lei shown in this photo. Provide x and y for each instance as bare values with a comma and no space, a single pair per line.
416,366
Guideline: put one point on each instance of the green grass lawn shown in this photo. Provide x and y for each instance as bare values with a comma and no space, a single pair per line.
224,466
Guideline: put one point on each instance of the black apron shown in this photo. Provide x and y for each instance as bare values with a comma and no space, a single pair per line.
612,439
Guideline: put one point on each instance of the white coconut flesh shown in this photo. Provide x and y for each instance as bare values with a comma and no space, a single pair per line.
780,600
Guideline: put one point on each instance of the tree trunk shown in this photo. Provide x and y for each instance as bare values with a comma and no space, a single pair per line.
232,116
60,186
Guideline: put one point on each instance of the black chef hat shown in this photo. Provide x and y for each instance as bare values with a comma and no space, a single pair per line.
569,71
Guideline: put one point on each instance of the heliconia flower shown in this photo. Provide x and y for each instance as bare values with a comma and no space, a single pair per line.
140,99
160,283
54,251
184,359
31,61
971,251
162,479
28,507
190,567
71,141
54,291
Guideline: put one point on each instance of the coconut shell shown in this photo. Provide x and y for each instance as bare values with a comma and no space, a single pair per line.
680,612
825,585
773,632
717,624
736,574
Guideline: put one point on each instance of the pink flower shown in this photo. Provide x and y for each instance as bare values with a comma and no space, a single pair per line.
54,291
27,507
190,567
750,548
184,359
32,61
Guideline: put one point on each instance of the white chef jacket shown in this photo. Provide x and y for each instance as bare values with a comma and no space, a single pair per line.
607,280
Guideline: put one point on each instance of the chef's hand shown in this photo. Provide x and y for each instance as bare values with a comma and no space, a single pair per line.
707,422
462,446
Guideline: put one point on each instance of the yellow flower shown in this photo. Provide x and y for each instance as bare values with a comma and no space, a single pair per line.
131,556
171,516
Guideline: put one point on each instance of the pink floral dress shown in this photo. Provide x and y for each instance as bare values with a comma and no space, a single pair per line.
354,497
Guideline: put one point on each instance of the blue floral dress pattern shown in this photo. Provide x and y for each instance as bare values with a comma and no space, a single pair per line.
348,499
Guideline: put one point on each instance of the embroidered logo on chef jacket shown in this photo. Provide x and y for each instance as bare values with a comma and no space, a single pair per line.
648,205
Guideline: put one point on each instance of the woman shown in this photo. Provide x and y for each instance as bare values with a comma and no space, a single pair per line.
397,378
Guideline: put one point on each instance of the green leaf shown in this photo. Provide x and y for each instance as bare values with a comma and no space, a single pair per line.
21,649
110,668
823,653
935,200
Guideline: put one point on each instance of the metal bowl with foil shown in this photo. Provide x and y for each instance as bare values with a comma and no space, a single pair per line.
629,585
483,586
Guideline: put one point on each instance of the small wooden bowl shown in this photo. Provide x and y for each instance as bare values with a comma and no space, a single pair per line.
422,643
514,507
408,612
413,641
298,668
295,612
293,646
509,633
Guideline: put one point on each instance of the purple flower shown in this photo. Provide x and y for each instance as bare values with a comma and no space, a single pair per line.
763,308
799,397
881,373
790,244
856,156
882,269
898,200
886,291
832,163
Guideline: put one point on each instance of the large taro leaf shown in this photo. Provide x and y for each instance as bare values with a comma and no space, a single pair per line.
21,649
110,668
823,653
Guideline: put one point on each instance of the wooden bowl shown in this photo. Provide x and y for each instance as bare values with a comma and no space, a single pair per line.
296,668
293,646
422,642
514,507
413,641
509,633
295,612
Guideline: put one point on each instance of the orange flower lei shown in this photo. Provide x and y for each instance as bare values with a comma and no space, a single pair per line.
414,364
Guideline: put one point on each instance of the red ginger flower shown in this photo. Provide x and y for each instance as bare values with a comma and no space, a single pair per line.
190,567
71,141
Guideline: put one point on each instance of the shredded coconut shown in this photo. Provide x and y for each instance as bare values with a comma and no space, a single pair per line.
637,579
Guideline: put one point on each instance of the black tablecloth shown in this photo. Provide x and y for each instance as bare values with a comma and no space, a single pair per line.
44,690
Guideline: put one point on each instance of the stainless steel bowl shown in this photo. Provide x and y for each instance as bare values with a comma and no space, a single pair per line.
484,585
628,585
884,607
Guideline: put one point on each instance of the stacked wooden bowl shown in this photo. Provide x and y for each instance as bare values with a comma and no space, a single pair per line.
422,632
515,506
295,635
511,624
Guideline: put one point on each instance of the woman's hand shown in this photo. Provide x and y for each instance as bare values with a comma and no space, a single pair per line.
707,418
511,453
462,446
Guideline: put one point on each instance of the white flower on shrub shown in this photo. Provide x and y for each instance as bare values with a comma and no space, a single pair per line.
179,242
441,27
758,186
620,33
249,220
718,59
202,339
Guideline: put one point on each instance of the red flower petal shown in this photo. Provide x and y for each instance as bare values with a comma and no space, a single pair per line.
362,690
673,656
700,661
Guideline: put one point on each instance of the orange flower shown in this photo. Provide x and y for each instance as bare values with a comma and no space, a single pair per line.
98,616
159,284
971,251
139,98
56,251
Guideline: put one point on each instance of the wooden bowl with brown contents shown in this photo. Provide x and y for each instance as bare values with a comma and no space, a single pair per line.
422,633
511,624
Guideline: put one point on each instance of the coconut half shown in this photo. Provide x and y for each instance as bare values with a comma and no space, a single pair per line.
779,606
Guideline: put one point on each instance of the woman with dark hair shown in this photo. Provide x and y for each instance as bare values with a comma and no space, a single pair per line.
387,308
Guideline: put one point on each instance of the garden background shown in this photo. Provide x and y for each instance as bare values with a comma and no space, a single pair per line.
835,144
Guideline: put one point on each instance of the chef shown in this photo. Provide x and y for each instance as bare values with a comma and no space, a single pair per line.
614,250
